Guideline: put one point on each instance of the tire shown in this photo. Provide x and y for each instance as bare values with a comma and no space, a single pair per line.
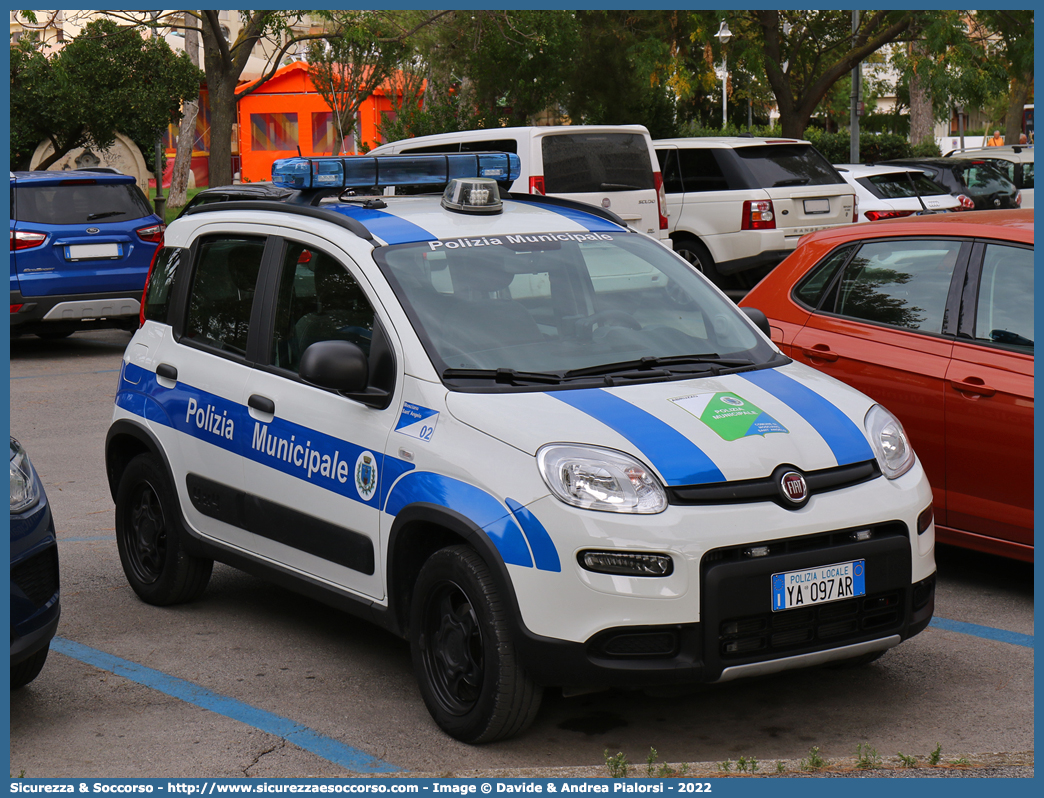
28,669
698,257
149,537
466,665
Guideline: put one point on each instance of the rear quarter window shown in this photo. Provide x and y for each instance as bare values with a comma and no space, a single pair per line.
576,163
105,203
161,284
899,186
788,165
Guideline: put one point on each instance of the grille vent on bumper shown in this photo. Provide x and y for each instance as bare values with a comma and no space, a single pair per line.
37,577
627,643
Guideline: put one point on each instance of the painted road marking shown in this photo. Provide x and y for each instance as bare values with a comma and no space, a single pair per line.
326,747
988,632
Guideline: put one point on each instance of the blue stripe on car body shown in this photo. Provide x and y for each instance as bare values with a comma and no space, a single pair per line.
592,223
540,543
679,460
472,502
388,227
845,439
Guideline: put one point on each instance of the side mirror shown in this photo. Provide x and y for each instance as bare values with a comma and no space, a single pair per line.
760,320
336,365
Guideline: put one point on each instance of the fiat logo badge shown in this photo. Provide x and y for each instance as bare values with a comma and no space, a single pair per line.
794,488
606,203
93,230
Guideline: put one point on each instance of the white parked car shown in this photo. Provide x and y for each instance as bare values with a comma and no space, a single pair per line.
889,192
738,205
442,413
1014,161
612,166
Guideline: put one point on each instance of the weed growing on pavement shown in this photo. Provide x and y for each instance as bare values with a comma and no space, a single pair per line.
725,766
936,755
814,760
780,767
907,761
617,765
960,761
867,758
650,761
745,765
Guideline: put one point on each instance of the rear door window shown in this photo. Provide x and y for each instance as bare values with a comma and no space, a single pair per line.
901,185
576,163
80,203
788,165
700,170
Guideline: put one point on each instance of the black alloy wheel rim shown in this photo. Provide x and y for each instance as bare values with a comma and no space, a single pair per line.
146,537
452,650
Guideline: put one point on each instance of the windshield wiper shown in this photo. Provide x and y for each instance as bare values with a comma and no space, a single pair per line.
620,186
662,365
92,216
795,181
503,376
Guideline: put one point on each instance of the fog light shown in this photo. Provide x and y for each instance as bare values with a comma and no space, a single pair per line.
626,563
756,551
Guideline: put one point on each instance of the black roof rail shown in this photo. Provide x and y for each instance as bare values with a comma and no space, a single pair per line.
348,223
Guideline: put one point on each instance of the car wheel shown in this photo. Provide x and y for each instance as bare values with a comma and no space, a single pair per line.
149,537
28,669
466,665
700,259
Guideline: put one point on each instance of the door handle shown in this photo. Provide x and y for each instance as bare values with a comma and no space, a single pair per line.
973,385
167,371
262,404
820,352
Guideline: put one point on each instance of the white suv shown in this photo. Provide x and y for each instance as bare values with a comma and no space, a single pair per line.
738,205
612,166
445,415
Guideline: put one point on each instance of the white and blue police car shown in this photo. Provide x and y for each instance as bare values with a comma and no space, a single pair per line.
528,439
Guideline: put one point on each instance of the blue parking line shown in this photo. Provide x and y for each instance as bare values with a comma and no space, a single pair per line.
326,747
987,632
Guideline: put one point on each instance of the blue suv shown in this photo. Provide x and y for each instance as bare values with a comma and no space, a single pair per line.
34,571
81,246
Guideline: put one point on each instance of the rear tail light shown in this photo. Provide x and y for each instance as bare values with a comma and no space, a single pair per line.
758,215
152,234
536,184
22,239
855,208
661,199
873,216
145,290
15,308
966,202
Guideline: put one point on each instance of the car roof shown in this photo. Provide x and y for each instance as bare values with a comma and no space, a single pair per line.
726,141
419,218
1010,152
50,178
514,132
1010,224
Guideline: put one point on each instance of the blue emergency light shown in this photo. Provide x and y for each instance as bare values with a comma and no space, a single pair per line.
381,171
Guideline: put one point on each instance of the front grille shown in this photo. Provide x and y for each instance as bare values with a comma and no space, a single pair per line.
805,543
766,489
774,633
37,577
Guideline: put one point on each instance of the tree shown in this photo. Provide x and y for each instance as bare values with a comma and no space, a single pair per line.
186,136
107,80
1013,49
361,54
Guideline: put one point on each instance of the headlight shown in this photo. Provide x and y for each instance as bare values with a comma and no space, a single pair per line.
25,491
894,453
600,479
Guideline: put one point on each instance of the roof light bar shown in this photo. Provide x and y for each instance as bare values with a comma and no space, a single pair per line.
380,171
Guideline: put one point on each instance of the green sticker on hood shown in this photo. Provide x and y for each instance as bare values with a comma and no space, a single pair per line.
729,415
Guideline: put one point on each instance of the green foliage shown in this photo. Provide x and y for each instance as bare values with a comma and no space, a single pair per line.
106,80
867,758
780,767
813,761
616,765
872,147
926,149
650,761
936,755
907,761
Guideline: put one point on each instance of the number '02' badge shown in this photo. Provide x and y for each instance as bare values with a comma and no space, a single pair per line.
366,475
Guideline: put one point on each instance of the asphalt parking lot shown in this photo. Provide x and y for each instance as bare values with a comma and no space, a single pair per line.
252,680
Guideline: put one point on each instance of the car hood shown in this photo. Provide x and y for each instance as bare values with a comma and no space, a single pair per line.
691,432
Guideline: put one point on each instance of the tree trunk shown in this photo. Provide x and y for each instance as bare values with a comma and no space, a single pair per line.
922,117
186,136
1017,96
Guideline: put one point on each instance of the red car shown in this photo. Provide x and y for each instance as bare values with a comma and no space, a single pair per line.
932,316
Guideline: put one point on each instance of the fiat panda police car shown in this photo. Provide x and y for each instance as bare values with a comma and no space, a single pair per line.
480,421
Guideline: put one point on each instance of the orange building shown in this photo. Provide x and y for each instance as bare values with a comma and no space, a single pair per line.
284,114
287,113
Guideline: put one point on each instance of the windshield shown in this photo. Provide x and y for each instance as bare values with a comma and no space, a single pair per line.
554,308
